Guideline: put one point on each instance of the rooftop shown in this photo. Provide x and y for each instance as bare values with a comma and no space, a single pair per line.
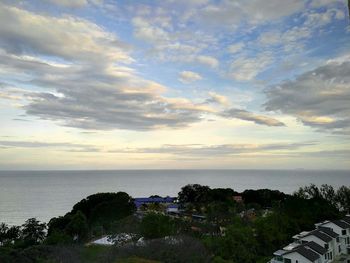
341,224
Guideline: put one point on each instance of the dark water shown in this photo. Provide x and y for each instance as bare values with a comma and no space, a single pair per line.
45,194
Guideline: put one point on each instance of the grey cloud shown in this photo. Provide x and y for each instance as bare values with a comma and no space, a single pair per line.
215,150
318,98
249,116
70,38
231,13
90,89
329,153
38,144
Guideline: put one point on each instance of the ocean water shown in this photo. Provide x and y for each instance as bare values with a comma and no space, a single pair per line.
45,194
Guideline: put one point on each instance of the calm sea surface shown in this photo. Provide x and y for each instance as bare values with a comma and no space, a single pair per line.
45,194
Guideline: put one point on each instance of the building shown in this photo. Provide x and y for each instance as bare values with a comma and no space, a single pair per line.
329,241
172,209
342,228
153,200
237,198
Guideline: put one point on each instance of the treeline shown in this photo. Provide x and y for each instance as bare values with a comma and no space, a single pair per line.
234,230
339,198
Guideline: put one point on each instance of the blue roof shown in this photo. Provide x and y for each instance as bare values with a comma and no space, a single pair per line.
173,206
146,200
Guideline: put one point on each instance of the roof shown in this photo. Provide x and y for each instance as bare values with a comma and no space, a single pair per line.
173,206
346,219
328,231
305,252
146,200
342,224
154,199
320,235
316,247
279,252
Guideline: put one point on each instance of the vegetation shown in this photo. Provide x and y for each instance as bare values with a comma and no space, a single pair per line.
213,227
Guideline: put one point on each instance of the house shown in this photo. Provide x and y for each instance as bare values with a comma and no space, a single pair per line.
140,201
172,209
329,241
342,228
299,253
237,198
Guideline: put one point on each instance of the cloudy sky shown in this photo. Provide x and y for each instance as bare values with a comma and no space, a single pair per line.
108,84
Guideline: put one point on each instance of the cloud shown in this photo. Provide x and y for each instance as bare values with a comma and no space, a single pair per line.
68,38
231,13
249,116
189,76
194,150
234,48
247,68
207,60
37,144
318,98
69,3
91,88
217,98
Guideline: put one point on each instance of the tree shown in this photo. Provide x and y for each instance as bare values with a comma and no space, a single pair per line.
122,205
238,244
78,226
155,225
194,193
343,198
3,233
263,197
33,232
102,208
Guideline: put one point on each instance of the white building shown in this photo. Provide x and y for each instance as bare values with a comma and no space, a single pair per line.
309,252
328,241
342,228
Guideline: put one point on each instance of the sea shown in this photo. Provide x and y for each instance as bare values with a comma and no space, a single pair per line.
47,194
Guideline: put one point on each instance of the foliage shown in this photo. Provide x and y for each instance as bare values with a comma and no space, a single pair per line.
238,244
103,206
33,232
78,226
194,193
339,198
263,197
155,225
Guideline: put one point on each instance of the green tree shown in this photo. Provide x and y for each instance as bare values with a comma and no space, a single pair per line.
155,225
33,232
343,198
3,233
238,244
194,193
78,227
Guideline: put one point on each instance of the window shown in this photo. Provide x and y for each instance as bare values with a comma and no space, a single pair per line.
296,261
326,246
287,260
337,239
343,232
339,248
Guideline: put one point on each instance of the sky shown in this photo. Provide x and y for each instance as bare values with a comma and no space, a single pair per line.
174,84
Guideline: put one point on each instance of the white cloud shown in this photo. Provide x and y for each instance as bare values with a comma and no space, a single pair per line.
218,98
69,3
207,60
189,76
318,98
246,69
234,48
